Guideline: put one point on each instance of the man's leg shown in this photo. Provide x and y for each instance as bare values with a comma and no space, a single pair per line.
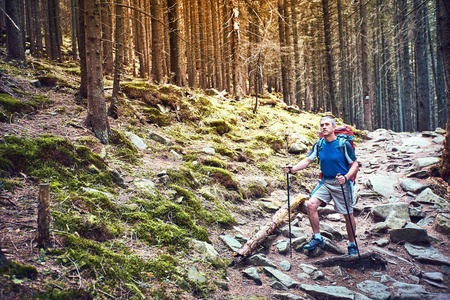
316,241
351,238
313,216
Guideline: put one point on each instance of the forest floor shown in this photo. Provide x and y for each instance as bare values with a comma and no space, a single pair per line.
18,211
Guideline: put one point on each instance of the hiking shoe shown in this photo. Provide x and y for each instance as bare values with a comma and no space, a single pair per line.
314,243
352,250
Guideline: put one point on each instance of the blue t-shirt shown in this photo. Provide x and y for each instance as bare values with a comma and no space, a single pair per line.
332,162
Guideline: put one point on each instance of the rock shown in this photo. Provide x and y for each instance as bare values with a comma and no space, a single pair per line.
314,253
286,296
409,291
297,244
260,181
276,285
425,162
328,292
379,228
336,234
397,219
285,265
442,223
144,185
438,139
222,284
195,275
160,138
334,217
416,213
303,276
231,242
297,148
332,246
308,269
434,276
382,185
411,233
410,185
117,178
252,273
416,141
280,276
269,206
282,246
260,260
208,252
91,190
317,275
296,232
376,290
424,222
435,284
208,150
337,271
428,197
428,255
439,130
176,155
419,174
382,242
395,214
386,279
136,141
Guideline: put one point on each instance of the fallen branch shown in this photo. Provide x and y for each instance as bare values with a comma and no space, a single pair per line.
371,260
269,228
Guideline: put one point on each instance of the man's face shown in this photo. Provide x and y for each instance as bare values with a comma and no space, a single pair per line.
326,127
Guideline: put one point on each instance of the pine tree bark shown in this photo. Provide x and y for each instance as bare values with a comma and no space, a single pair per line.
329,70
226,32
443,18
113,108
54,28
421,60
440,86
235,50
343,78
107,43
216,43
82,49
367,102
406,68
14,28
96,118
75,28
175,43
156,10
37,27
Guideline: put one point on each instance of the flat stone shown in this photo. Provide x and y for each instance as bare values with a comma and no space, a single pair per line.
428,197
208,252
286,296
252,273
296,232
208,150
328,292
411,233
303,276
260,260
379,228
435,284
282,246
331,229
419,174
334,217
195,275
144,185
426,162
222,284
162,139
91,190
280,276
332,247
428,255
285,265
410,185
231,242
438,139
414,291
382,242
384,210
276,285
434,276
442,223
317,275
382,185
386,279
416,213
376,290
136,140
308,269
416,141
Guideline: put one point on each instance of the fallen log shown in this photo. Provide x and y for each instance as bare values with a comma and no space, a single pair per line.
370,260
269,228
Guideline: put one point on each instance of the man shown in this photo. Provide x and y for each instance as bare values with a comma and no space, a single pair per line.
337,170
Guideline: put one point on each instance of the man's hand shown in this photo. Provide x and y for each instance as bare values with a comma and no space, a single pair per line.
287,169
341,179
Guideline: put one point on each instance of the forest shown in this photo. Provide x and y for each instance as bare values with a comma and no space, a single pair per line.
154,130
376,64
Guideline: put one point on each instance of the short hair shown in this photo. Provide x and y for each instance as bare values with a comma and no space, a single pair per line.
328,118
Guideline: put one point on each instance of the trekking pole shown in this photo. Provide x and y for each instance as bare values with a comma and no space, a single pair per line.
289,213
351,226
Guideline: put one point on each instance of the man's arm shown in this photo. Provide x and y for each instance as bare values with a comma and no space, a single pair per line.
300,166
350,174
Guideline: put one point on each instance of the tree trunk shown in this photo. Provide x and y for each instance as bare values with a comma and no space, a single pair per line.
421,59
107,45
96,118
216,43
54,28
175,43
37,27
82,49
367,102
443,14
343,78
188,12
157,41
226,45
406,68
14,28
269,227
440,86
296,69
235,50
329,70
113,108
75,28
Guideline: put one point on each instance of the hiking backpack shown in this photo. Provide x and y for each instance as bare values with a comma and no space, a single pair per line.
343,133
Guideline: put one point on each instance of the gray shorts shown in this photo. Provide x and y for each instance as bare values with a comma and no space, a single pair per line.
331,189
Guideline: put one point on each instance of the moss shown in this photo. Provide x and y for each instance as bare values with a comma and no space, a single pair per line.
255,191
183,177
11,105
18,270
222,177
74,71
56,294
9,185
222,150
156,117
215,162
126,150
274,142
51,80
220,126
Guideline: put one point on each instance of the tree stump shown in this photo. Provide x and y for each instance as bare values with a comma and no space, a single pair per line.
43,235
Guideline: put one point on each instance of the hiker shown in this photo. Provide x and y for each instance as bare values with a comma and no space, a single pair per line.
337,172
